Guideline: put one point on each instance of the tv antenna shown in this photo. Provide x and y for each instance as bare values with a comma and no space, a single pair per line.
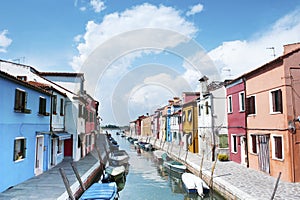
272,48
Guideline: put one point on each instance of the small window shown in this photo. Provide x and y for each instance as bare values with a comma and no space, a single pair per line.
251,105
183,116
254,143
189,115
179,120
277,149
199,110
276,101
234,143
54,104
23,78
21,101
229,104
61,107
223,141
80,114
42,106
59,146
242,101
207,108
91,117
19,149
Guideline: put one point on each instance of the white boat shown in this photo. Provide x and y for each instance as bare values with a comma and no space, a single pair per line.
115,171
118,157
158,154
173,165
194,184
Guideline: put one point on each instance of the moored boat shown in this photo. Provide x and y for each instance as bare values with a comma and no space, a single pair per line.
194,184
103,191
158,154
173,165
118,157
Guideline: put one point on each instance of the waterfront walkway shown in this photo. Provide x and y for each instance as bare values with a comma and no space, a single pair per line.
50,185
233,180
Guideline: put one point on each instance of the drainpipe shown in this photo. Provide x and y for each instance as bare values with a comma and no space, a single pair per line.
51,111
212,127
245,128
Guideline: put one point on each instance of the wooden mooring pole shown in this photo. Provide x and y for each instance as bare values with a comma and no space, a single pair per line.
78,176
276,185
67,183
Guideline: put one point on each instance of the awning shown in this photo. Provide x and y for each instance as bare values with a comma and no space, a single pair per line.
62,135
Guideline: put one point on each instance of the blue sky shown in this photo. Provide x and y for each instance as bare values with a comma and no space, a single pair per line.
58,35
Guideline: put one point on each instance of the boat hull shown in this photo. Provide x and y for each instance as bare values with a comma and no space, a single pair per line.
104,191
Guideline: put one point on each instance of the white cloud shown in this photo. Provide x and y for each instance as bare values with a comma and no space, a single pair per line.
97,5
83,8
242,56
195,9
4,41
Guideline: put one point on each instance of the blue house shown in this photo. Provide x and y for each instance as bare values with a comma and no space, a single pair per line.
24,130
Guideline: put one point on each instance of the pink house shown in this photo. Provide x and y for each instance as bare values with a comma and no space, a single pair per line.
273,113
237,136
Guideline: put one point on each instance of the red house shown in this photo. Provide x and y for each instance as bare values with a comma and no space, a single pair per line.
236,116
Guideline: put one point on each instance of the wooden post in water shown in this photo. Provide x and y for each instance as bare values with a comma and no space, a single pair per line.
67,184
187,152
201,165
212,175
276,185
78,176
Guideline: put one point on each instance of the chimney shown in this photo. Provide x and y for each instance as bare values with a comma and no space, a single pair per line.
203,86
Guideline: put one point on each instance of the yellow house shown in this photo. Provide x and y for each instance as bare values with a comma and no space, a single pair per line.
190,125
146,126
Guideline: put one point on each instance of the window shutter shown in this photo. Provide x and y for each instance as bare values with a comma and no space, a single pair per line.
280,101
24,100
17,99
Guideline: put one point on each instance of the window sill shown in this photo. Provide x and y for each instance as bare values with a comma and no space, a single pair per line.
254,154
278,159
275,113
19,160
233,152
24,111
44,114
242,111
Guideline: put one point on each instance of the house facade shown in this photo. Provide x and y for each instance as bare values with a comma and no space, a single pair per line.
273,116
236,116
24,130
212,124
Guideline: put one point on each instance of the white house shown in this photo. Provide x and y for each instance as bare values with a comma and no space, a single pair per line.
212,120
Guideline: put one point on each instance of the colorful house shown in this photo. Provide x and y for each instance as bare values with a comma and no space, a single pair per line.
273,114
24,120
212,120
190,121
236,117
146,126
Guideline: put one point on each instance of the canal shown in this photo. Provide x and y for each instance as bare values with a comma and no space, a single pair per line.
148,180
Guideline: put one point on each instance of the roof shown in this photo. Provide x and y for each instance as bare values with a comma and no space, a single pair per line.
68,74
24,83
46,87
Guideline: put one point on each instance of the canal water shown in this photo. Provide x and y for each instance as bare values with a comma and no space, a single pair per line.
148,180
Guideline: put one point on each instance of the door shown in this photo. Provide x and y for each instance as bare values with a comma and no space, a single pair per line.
38,168
53,151
243,150
264,153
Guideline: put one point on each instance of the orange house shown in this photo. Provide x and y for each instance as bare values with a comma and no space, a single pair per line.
273,110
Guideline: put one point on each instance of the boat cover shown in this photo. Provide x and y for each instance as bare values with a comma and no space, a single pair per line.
100,191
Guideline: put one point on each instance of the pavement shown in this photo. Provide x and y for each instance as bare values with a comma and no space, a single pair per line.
232,180
49,185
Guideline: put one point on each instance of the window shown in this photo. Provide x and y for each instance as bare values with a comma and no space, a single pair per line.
277,147
19,149
234,143
61,107
251,105
80,114
54,104
276,101
223,141
179,120
189,115
59,146
91,117
23,78
242,101
183,116
42,106
254,143
206,108
199,110
229,104
21,101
